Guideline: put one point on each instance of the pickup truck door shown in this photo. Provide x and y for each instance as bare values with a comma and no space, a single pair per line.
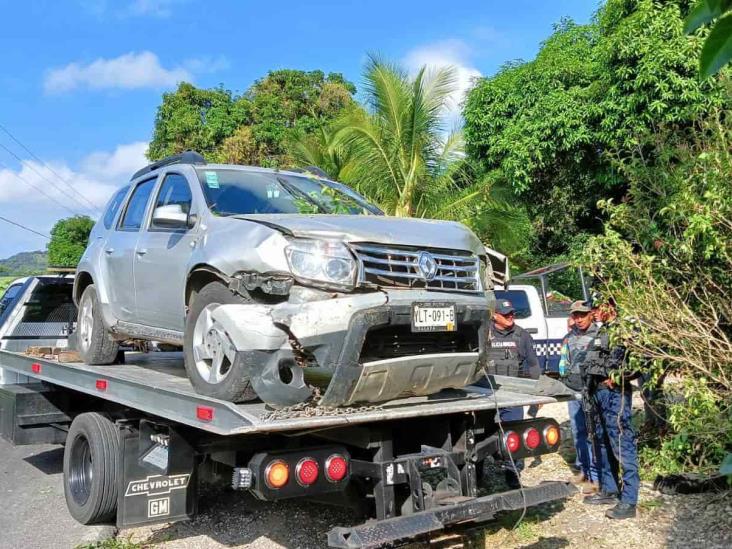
118,253
161,259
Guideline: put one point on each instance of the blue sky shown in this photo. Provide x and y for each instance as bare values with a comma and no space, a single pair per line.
81,79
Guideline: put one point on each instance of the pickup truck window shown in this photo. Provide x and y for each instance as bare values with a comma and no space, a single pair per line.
518,299
239,192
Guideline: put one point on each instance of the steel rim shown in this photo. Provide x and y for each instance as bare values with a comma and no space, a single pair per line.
86,323
81,473
213,350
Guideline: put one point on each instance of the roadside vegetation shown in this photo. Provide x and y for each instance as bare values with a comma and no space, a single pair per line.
611,148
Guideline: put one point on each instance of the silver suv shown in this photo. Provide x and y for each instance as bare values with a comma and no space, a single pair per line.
283,286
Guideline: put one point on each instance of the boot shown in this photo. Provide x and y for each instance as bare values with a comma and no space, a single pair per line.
601,498
621,511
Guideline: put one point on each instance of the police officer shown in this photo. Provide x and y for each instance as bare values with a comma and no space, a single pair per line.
512,353
614,430
576,344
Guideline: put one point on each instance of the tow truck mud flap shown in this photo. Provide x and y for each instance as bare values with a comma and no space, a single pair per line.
383,380
374,534
158,483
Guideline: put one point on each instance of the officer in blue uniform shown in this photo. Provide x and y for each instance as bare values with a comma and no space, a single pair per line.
618,455
512,354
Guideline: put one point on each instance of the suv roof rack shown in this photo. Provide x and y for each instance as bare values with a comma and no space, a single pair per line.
186,157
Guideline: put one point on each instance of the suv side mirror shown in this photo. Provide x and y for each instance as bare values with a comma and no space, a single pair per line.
171,216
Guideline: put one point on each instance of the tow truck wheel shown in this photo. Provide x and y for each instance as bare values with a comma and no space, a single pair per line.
91,468
209,352
94,343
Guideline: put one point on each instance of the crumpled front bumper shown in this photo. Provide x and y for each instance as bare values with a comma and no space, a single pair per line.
277,343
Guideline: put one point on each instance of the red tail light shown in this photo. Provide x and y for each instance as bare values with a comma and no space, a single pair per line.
204,413
336,468
101,384
532,439
512,442
307,471
36,368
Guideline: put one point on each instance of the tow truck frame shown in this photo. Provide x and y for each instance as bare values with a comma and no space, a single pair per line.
412,462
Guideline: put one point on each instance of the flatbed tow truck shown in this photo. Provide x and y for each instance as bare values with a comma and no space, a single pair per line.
138,440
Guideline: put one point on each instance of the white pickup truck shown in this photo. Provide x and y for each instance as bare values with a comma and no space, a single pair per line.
542,299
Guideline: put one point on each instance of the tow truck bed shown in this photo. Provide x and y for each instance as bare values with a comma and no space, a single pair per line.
156,384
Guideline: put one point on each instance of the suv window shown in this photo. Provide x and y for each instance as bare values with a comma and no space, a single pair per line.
518,299
135,212
174,190
113,206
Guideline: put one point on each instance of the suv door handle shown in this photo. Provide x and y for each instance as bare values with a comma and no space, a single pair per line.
141,252
109,251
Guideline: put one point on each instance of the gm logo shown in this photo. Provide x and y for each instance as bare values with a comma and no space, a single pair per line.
158,507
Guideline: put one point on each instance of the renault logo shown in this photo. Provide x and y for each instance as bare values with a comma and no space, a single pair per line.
427,265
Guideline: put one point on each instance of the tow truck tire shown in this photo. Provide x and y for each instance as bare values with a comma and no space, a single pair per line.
232,384
94,342
91,468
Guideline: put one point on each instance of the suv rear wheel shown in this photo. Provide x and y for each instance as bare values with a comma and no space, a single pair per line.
209,352
94,343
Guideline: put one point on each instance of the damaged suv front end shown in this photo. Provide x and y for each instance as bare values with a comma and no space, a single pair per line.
355,308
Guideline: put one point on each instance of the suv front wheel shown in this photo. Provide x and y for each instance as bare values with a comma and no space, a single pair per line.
94,343
210,356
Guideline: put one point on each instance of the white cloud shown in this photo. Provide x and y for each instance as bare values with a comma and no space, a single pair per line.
96,178
155,8
207,64
132,8
454,53
128,71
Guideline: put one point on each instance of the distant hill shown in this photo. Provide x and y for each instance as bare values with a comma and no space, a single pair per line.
24,263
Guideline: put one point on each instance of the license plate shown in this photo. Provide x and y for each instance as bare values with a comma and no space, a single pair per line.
433,318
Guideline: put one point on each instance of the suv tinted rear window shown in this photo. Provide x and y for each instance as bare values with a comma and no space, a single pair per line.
113,206
518,299
136,206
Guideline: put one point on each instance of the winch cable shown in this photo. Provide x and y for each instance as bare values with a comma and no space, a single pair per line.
510,456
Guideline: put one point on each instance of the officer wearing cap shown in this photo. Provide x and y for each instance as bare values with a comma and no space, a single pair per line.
511,353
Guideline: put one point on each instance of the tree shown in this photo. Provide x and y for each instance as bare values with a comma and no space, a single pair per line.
396,153
717,50
69,238
553,128
252,128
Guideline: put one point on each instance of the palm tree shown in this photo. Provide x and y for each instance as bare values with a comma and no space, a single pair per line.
396,153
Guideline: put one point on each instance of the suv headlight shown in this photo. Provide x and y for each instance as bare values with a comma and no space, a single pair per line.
324,262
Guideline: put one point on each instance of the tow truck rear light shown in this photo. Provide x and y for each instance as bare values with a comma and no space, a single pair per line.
512,442
307,471
532,438
101,384
336,468
277,474
36,368
551,435
204,413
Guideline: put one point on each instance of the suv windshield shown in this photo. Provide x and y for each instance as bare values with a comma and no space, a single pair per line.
236,192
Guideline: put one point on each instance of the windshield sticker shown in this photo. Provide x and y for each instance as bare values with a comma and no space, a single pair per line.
273,191
212,180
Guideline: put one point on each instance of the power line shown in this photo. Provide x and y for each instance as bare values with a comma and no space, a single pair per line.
59,189
55,201
24,227
35,157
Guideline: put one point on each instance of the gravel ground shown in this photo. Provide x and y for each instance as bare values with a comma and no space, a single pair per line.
229,519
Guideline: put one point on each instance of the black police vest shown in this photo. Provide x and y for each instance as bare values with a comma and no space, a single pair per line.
504,354
598,356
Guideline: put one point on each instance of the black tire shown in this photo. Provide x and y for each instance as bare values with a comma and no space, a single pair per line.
235,387
91,468
96,346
